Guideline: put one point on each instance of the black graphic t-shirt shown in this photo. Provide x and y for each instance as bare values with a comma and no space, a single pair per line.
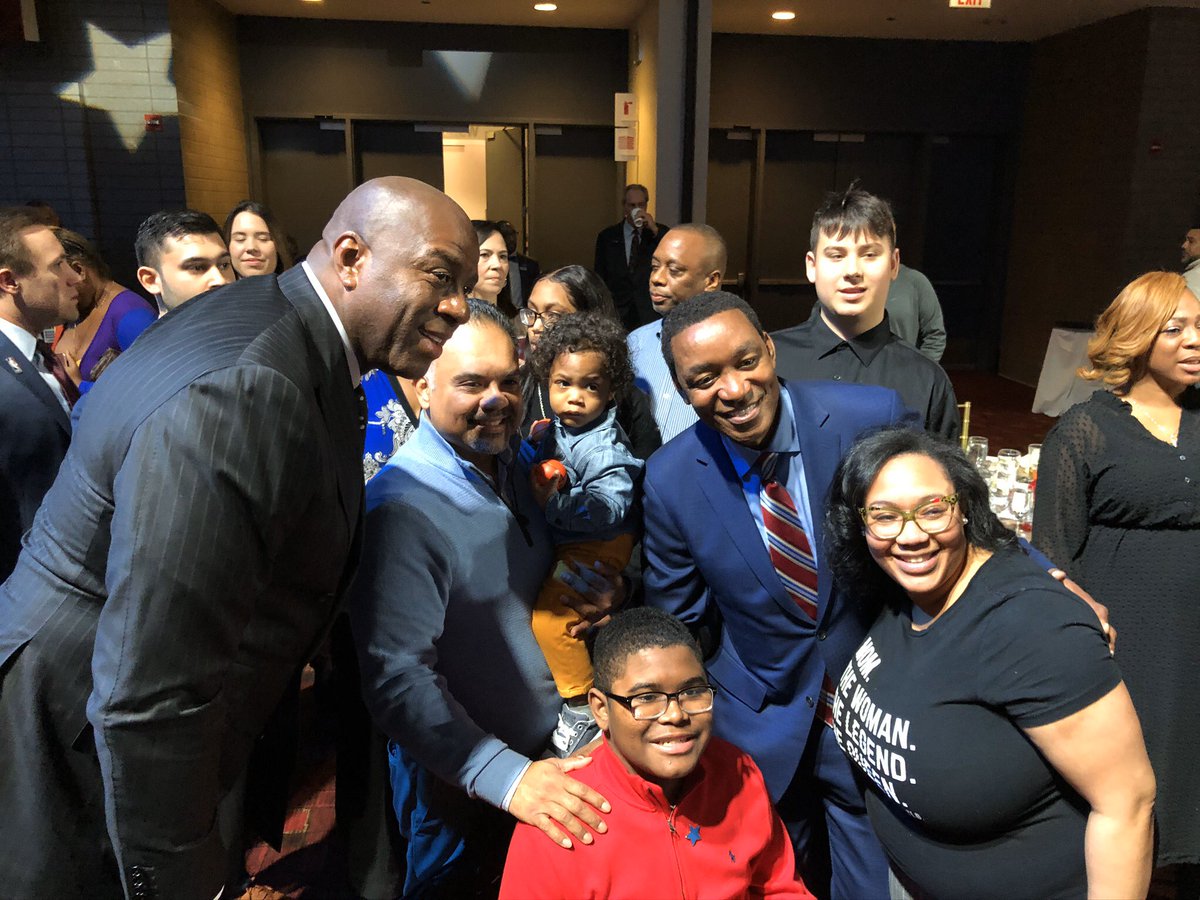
960,798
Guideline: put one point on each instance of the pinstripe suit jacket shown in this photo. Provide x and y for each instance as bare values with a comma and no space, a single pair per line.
34,434
201,528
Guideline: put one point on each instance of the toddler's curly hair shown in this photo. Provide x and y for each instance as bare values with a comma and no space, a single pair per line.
582,332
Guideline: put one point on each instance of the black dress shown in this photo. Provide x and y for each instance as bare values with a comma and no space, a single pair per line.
1118,510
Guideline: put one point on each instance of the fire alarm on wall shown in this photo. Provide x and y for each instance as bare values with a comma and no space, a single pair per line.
154,122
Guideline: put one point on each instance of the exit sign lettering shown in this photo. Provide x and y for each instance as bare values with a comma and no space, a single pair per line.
970,4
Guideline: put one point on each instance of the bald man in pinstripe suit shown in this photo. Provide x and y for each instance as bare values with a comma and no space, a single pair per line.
193,549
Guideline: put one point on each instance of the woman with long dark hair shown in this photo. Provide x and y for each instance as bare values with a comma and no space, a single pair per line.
113,315
491,277
559,293
257,245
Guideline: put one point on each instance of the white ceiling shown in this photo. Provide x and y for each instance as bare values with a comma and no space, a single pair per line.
1007,20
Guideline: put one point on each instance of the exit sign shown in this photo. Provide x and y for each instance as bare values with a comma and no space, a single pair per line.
970,4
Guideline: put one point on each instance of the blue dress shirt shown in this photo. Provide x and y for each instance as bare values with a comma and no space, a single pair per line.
789,471
671,412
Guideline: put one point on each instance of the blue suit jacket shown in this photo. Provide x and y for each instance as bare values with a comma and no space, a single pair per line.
34,434
705,559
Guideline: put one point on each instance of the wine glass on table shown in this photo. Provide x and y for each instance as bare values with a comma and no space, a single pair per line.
1004,476
977,451
1020,506
1006,467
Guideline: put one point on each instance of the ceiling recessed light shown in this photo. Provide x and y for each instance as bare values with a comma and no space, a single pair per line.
783,15
545,7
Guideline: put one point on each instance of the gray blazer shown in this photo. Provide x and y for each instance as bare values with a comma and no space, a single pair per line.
186,562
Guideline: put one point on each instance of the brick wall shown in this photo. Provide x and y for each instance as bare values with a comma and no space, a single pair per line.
212,128
71,120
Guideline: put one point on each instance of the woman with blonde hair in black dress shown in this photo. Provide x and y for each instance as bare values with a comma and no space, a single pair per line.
1118,507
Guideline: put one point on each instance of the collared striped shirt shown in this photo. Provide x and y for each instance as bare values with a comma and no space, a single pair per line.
671,412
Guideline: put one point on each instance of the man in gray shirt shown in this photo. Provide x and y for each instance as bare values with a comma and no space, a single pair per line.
914,313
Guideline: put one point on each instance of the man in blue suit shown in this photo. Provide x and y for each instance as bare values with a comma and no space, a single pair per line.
707,562
37,291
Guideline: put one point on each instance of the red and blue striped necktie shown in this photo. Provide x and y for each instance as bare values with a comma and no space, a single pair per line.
791,554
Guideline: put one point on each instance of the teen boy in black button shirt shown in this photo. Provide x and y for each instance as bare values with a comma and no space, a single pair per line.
852,261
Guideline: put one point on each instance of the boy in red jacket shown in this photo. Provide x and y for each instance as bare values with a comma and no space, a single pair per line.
690,813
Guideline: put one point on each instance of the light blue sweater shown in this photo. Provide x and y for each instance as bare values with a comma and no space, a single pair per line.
441,611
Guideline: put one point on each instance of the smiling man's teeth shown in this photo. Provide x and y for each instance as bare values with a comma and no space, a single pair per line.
742,413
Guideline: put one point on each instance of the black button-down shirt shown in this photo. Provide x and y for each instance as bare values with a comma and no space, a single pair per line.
814,352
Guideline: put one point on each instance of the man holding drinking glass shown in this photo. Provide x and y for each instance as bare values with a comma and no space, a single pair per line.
623,254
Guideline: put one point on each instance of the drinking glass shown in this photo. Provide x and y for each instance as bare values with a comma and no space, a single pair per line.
1003,476
998,502
1006,468
1032,456
977,451
1020,506
1020,501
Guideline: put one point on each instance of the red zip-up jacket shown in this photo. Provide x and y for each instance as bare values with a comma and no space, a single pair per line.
722,840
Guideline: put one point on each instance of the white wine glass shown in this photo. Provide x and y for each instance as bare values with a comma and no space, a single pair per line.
977,451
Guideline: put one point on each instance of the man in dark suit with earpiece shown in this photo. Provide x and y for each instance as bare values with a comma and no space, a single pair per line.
37,292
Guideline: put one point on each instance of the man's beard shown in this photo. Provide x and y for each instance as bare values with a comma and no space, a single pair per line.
493,444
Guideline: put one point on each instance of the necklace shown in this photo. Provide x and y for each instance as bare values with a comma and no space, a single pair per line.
1170,435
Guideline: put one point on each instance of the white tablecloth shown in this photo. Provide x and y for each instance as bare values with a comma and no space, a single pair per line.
1059,388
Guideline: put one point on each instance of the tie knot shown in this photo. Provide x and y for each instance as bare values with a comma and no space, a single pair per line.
766,465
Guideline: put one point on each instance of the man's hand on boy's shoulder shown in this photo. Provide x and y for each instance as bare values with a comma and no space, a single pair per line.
590,747
562,807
